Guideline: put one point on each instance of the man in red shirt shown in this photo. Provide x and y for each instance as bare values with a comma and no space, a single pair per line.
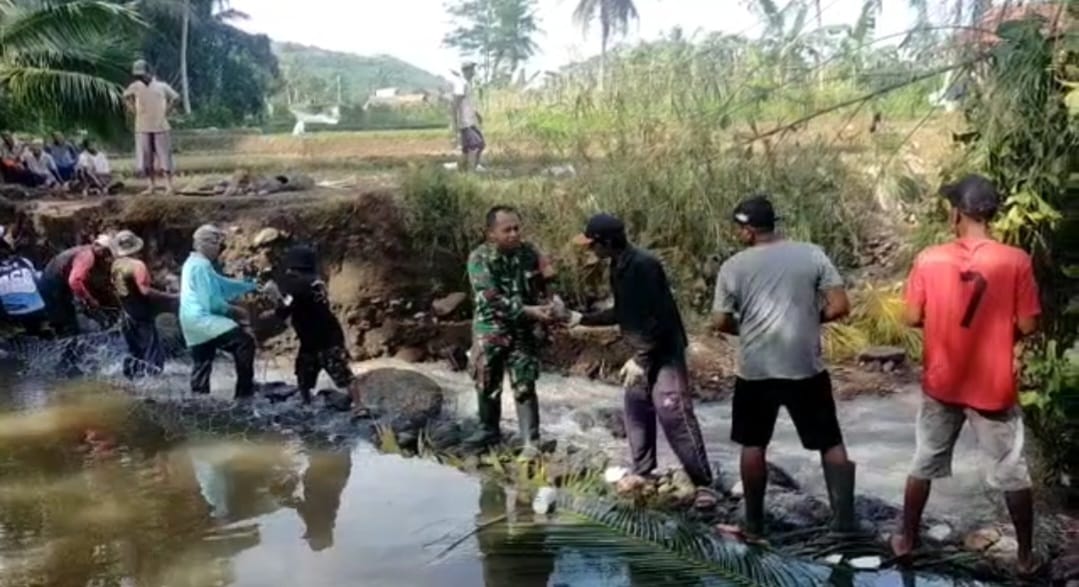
974,297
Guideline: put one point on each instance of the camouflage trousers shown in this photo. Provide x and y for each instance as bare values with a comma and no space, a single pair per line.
490,363
334,360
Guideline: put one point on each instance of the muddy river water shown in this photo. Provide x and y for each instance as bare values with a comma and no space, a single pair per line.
86,498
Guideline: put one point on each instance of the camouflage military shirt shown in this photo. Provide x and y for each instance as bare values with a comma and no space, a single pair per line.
502,285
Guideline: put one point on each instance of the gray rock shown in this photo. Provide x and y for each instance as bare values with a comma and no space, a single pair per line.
448,304
981,539
1065,568
940,532
445,435
789,510
882,355
777,477
267,236
407,399
335,400
276,391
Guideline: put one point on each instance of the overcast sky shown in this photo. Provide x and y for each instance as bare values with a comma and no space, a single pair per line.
413,29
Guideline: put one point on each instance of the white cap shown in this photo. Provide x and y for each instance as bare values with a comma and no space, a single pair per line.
103,240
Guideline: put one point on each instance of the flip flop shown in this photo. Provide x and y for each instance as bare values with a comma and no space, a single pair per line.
737,533
705,499
1035,570
361,413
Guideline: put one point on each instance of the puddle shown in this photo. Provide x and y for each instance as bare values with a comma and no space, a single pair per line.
90,495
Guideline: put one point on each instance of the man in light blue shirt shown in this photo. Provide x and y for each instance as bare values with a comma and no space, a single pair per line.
208,317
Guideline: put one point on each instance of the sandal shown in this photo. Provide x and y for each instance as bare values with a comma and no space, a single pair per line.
705,499
361,413
739,534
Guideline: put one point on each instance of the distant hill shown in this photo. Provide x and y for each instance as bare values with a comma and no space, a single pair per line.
312,72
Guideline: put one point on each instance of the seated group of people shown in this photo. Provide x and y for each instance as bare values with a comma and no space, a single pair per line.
58,164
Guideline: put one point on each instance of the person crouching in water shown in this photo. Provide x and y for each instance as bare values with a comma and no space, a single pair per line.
20,300
209,319
139,303
322,341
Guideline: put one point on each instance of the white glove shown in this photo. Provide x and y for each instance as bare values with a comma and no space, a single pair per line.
574,319
631,373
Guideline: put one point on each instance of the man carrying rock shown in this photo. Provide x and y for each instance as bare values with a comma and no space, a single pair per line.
322,341
208,317
150,99
140,304
774,296
508,277
656,378
974,298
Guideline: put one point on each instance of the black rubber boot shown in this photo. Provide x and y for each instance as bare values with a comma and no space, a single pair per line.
490,415
528,423
840,481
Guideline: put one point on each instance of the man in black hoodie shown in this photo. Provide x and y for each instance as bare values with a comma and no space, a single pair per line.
322,342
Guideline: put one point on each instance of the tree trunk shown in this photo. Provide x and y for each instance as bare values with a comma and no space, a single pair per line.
185,29
602,63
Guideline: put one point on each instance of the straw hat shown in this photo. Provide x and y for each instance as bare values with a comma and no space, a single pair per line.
126,243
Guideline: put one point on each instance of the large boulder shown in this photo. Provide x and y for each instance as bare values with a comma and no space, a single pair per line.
407,400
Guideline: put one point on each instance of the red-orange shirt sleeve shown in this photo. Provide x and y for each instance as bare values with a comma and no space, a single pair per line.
142,278
1027,299
79,277
915,291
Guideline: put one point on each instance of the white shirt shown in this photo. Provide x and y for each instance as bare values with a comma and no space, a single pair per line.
96,164
466,112
43,165
151,104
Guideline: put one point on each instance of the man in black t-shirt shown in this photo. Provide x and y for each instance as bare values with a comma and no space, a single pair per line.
322,341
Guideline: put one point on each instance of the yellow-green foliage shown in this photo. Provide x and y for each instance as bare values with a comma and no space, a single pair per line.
876,319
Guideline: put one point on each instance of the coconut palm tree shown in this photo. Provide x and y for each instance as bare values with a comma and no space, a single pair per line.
614,17
61,57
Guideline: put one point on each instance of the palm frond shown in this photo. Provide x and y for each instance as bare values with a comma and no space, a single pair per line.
58,27
689,545
585,12
75,89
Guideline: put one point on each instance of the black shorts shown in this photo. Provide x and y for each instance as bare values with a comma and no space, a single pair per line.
808,401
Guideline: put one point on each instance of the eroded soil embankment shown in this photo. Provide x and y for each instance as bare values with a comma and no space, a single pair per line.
382,286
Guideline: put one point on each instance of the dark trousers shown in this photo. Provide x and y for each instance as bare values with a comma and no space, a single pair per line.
237,343
663,395
146,354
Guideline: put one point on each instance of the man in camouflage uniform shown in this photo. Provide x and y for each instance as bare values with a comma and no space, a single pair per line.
508,280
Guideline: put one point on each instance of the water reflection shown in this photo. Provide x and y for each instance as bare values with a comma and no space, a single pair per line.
90,497
324,481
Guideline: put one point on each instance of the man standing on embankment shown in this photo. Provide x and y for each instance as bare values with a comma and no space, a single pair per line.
508,280
770,296
466,119
655,380
151,99
974,298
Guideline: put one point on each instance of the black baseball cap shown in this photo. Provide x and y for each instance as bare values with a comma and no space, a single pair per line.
301,258
756,212
974,196
602,227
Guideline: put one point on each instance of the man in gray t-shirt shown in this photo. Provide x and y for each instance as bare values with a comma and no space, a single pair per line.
774,296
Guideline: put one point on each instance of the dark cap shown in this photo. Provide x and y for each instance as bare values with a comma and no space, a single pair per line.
301,258
601,227
974,196
756,212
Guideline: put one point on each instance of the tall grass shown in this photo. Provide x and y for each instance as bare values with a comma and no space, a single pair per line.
675,198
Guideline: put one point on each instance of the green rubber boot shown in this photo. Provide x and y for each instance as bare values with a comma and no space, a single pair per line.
840,481
490,416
